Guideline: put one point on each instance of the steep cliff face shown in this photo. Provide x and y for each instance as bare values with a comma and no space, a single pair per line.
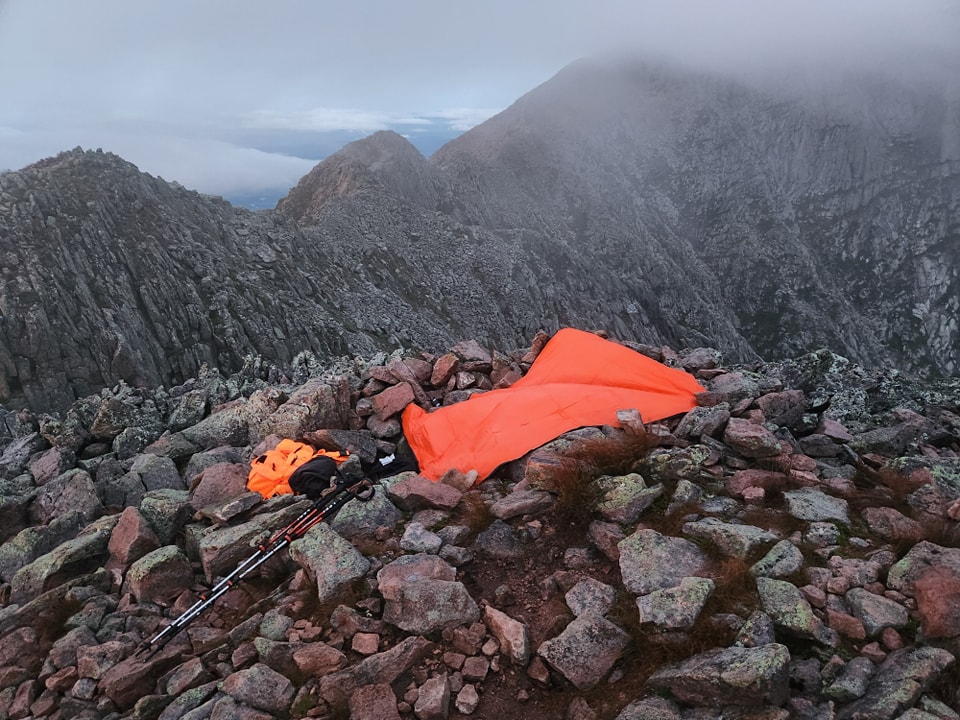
664,206
826,219
110,274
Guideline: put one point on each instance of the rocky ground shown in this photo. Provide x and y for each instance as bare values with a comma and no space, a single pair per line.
788,549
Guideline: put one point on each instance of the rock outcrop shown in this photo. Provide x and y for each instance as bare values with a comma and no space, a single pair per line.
816,581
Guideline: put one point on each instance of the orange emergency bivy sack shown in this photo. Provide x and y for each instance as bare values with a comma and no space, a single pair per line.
578,380
270,473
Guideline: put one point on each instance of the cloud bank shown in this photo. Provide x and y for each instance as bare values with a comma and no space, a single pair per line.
228,95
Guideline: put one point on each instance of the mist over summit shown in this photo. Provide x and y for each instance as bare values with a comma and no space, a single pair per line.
663,204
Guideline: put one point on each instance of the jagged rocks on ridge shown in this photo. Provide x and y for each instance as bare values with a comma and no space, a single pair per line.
605,567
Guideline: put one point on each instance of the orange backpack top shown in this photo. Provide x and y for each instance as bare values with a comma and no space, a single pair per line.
270,473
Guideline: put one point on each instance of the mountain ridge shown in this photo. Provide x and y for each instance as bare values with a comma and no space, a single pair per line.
664,206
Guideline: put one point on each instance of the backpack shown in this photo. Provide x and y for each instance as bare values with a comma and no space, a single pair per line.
270,473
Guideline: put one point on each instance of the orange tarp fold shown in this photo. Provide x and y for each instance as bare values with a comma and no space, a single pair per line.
578,380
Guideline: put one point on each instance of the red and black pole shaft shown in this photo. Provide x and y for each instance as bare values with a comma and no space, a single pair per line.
324,508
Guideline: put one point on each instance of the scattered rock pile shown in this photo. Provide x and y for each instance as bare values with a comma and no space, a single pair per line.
768,555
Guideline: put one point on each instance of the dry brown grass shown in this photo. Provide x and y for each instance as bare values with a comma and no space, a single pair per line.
776,463
615,454
671,523
575,472
889,487
883,486
649,652
736,588
474,512
941,531
780,523
573,480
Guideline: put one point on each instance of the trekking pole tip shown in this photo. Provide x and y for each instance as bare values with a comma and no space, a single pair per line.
146,650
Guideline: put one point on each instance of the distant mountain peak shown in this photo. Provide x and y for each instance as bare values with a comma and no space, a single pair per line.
382,162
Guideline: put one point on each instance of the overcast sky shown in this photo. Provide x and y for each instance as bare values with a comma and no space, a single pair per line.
234,96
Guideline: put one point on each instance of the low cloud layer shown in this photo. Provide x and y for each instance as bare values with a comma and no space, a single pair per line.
226,96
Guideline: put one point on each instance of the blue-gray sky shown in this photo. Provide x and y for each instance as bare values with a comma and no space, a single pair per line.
236,97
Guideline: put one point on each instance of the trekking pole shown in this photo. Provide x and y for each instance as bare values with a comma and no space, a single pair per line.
324,508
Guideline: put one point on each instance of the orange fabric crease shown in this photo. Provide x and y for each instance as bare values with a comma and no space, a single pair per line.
578,380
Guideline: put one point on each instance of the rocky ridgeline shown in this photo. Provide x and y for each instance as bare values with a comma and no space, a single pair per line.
667,206
765,556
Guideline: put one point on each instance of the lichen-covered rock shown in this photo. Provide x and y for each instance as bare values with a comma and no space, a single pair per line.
74,491
816,505
222,550
729,676
226,427
329,559
590,595
383,667
426,605
791,612
782,561
157,472
262,688
167,511
733,539
626,497
74,557
898,683
585,651
650,561
32,542
875,611
160,575
651,708
676,608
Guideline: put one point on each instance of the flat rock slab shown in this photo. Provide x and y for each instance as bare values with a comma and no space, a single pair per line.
650,561
329,559
585,651
730,676
739,541
74,557
383,668
222,550
816,506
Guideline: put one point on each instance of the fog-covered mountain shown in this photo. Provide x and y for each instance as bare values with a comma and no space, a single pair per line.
666,206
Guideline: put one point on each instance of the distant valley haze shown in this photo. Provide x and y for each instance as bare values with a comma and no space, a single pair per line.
241,99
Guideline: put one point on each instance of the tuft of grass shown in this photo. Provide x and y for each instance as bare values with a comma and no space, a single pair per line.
572,481
780,523
888,487
573,477
649,652
616,454
672,523
736,589
775,463
883,486
474,511
941,531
